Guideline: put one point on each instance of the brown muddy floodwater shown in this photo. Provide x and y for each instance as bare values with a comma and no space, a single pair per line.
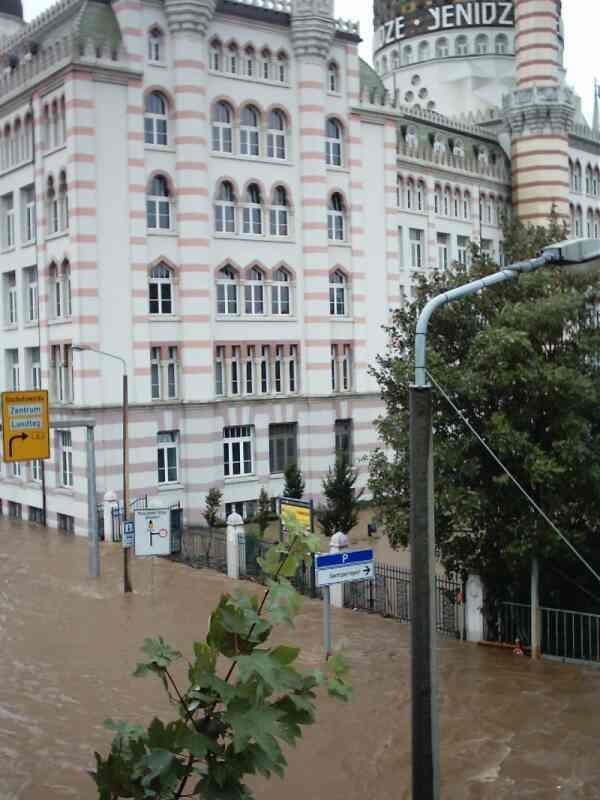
511,728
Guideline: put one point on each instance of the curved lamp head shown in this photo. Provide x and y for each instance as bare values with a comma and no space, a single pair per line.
581,255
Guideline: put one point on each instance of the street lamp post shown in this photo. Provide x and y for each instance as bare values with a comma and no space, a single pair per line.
578,253
127,587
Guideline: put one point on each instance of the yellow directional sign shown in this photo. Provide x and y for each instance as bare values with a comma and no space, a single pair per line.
25,426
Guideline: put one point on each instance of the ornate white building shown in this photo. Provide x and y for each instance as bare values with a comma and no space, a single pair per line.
221,193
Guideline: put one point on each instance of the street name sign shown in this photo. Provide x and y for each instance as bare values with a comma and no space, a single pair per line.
153,532
344,567
25,426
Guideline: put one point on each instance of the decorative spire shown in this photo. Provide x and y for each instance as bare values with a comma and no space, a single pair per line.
313,27
190,15
596,122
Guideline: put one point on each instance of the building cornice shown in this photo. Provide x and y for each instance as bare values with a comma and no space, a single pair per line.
190,15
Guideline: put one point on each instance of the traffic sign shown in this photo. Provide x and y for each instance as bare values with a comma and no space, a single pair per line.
344,567
128,534
153,532
25,426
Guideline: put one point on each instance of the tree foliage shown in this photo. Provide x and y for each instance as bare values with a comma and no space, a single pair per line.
521,361
339,512
244,700
212,507
263,512
294,482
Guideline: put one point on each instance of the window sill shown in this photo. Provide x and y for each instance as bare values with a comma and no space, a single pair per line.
159,64
10,249
242,398
335,243
11,327
31,323
279,162
233,479
157,232
59,321
248,78
159,148
248,237
165,401
28,243
57,235
14,167
334,168
50,151
170,487
66,491
253,318
163,318
334,94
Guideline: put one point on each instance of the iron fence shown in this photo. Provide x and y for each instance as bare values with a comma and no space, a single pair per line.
137,504
570,634
204,547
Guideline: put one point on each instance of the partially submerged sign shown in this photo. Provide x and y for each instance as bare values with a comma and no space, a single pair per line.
153,532
25,426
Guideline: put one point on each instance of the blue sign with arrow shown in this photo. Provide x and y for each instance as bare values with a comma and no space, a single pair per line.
343,567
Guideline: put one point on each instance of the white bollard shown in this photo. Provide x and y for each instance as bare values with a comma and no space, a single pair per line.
235,528
339,541
474,608
110,502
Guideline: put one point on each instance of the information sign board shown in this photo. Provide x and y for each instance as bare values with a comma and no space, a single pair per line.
153,532
128,534
25,426
344,567
298,510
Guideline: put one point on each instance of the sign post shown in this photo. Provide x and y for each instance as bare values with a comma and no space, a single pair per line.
25,426
336,568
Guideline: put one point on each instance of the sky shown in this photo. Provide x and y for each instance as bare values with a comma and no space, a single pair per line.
581,17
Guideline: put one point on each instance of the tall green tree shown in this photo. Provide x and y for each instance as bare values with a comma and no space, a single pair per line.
521,360
339,512
294,482
263,511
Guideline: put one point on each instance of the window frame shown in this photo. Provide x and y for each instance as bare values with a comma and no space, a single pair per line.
238,440
166,447
283,446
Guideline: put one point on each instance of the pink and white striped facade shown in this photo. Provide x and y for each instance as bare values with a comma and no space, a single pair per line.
411,198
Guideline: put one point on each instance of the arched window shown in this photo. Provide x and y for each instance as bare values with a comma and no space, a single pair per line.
333,143
595,182
482,44
160,290
65,279
588,180
336,218
467,206
395,59
52,206
596,225
155,45
333,77
282,68
216,55
222,130
18,134
277,135
227,291
57,139
266,64
424,51
46,141
337,294
399,191
590,224
571,176
384,65
28,134
225,209
410,194
578,222
250,61
279,212
501,44
447,202
155,119
250,131
437,200
461,46
456,208
233,58
252,211
407,55
420,196
158,204
254,292
56,305
63,202
281,293
442,49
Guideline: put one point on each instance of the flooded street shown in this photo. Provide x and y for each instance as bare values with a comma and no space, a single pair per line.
511,728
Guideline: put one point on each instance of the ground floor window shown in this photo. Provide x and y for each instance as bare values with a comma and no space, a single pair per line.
65,523
245,508
238,450
36,515
15,510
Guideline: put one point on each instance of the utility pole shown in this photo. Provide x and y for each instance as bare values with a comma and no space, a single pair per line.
126,578
536,646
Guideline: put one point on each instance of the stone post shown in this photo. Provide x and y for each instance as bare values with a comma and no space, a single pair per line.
235,530
339,541
474,609
110,503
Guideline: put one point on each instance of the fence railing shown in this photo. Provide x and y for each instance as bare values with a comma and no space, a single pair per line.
202,547
137,504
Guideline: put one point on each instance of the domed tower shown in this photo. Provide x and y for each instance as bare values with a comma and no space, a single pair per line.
11,17
451,57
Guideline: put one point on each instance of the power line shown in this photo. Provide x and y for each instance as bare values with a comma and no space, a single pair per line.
519,486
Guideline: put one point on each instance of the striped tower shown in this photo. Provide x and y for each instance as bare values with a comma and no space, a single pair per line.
539,113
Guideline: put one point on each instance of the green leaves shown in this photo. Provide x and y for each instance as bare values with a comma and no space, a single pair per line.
159,657
235,627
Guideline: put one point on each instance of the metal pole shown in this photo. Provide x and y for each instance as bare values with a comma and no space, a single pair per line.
44,495
535,609
327,621
93,540
424,689
126,579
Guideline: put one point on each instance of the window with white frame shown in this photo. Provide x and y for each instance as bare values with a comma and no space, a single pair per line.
34,363
416,238
66,288
336,218
293,369
30,276
59,285
12,305
235,385
52,207
278,370
164,372
233,59
63,202
341,367
167,457
62,373
282,67
160,289
238,446
487,248
28,214
462,246
36,471
220,375
15,472
254,292
252,212
456,206
399,191
249,371
281,304
216,55
156,119
266,64
249,61
337,294
333,143
279,212
437,200
155,45
447,202
410,194
8,221
420,196
466,206
333,78
158,204
443,248
277,136
13,375
227,291
250,131
283,446
65,444
225,205
222,128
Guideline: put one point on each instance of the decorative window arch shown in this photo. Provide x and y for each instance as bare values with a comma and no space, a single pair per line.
333,77
334,134
233,58
338,291
410,194
279,212
60,289
408,55
277,135
399,190
18,136
52,206
424,51
156,45
63,201
467,205
252,211
156,114
578,222
281,293
161,285
228,288
595,181
250,121
249,61
501,44
437,200
266,64
588,179
421,195
254,292
222,127
442,48
336,218
482,44
461,46
28,135
589,223
456,210
577,176
216,55
447,202
225,208
282,67
158,204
